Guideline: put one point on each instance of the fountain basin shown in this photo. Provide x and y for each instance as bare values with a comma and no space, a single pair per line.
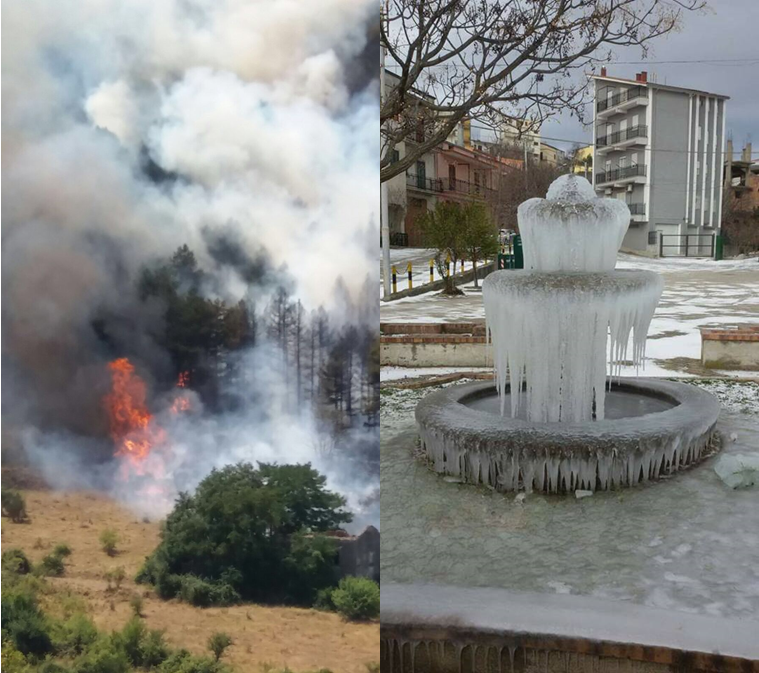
674,427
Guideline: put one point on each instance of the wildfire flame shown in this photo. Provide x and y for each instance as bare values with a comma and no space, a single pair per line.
133,429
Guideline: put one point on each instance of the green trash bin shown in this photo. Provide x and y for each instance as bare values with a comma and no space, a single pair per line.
719,244
518,253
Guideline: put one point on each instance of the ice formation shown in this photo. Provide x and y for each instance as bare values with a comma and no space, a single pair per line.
738,470
561,327
571,229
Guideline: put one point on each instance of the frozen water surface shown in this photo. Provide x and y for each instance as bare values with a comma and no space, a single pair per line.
689,543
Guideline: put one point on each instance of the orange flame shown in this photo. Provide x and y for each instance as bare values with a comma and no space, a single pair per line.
128,415
133,428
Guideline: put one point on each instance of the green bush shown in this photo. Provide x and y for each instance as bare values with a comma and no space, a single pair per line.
109,538
183,662
15,562
105,656
11,660
23,623
74,635
136,603
241,536
324,599
195,591
114,577
52,566
357,598
218,643
62,550
49,666
153,648
13,505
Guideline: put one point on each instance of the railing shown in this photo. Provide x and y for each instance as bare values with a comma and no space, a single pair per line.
637,208
628,94
463,187
399,238
621,173
640,131
423,183
446,185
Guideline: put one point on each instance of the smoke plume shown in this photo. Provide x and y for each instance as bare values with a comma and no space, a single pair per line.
245,129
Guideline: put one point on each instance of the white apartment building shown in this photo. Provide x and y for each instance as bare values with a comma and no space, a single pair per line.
660,149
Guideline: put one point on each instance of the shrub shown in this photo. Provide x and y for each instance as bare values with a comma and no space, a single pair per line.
324,599
62,550
131,638
195,591
15,562
13,505
183,662
11,660
105,656
24,623
109,538
51,566
136,603
218,643
357,598
249,542
373,667
75,634
153,649
114,577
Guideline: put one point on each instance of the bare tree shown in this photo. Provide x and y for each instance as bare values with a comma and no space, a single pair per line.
487,59
515,187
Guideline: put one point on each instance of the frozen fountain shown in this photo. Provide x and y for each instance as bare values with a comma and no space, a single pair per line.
560,417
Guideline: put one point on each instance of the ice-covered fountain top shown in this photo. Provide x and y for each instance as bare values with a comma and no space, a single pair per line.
571,229
562,325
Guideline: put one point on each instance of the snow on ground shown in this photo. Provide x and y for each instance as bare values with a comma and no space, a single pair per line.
697,293
420,267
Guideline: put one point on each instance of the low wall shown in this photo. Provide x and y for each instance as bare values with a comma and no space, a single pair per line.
434,345
730,347
440,629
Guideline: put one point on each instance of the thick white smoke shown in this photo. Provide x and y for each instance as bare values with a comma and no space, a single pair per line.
130,128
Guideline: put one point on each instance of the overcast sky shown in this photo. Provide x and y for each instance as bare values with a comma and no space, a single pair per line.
729,30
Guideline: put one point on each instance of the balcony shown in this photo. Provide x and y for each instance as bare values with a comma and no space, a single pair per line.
622,176
635,95
619,140
422,183
637,208
463,187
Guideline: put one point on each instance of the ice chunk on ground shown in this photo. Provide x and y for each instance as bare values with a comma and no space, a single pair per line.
738,469
579,494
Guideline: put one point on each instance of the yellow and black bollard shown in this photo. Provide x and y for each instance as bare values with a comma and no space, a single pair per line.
432,271
395,281
448,266
410,280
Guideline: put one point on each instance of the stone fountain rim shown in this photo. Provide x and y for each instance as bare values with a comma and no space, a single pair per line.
696,411
501,617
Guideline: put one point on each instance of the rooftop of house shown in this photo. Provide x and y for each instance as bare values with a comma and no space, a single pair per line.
645,82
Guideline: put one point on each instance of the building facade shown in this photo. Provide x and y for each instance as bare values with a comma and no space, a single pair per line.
660,149
742,178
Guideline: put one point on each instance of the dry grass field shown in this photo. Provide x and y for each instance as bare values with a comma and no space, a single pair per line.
278,637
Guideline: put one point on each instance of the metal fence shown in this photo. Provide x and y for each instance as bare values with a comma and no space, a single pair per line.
686,245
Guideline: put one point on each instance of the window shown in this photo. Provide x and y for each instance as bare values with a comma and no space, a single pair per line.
623,162
634,159
635,120
652,237
395,157
452,176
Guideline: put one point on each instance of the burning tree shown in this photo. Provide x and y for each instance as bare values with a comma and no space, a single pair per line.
454,59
